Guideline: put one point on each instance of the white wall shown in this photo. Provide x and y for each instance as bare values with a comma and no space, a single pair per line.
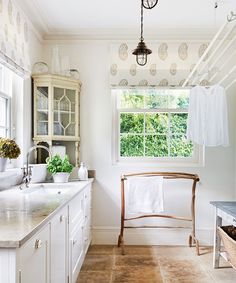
36,51
92,58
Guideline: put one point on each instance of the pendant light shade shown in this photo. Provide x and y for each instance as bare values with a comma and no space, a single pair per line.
141,51
149,4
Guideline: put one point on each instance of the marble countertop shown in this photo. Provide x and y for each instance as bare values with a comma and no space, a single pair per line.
24,212
227,206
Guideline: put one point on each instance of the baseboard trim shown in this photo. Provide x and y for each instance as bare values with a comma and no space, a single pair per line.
158,236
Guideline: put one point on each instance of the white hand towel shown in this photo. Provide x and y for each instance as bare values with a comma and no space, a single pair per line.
144,194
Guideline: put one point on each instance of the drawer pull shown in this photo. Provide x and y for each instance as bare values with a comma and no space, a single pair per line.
38,244
62,218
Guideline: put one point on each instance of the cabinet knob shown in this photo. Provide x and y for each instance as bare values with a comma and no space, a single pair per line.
62,217
74,241
38,244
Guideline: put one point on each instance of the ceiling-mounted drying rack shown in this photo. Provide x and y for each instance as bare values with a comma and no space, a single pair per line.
221,44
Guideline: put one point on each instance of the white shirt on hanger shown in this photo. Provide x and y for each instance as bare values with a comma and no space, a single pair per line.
207,117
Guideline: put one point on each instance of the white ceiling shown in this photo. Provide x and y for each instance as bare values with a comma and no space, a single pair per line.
55,17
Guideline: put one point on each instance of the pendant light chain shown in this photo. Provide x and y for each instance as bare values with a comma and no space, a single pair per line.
141,22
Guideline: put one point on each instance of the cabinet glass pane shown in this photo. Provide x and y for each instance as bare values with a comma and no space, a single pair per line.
64,112
42,110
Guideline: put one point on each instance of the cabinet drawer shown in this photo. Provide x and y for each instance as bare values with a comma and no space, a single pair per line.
87,193
76,251
76,210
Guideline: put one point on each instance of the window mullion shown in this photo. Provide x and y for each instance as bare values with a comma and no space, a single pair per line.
144,135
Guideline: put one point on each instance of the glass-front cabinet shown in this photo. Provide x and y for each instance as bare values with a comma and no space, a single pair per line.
64,112
56,109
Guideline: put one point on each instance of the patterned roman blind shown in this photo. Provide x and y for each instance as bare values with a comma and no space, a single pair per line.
169,64
14,37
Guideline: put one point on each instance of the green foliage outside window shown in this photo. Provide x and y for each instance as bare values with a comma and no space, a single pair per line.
154,124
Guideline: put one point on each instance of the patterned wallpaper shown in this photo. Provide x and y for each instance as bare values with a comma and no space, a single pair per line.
14,34
169,64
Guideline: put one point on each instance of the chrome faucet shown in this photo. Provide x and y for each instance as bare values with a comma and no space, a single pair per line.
27,170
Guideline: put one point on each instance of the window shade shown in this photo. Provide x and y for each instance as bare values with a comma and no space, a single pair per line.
14,37
169,64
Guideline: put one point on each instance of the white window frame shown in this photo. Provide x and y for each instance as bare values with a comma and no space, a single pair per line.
196,160
4,88
7,126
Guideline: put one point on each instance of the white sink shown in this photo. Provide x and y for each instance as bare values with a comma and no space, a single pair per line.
45,189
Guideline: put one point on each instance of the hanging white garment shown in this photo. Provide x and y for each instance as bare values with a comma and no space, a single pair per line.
208,117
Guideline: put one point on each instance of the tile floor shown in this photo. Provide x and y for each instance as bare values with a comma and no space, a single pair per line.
152,264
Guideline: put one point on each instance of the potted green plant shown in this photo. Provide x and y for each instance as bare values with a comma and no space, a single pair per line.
8,149
59,168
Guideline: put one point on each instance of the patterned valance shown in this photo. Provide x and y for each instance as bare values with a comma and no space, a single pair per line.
14,36
169,63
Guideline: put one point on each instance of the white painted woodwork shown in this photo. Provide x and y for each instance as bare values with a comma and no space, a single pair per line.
79,231
56,253
76,251
34,258
59,246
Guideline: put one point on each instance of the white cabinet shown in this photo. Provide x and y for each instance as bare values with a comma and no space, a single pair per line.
87,218
79,230
56,252
59,246
34,259
76,251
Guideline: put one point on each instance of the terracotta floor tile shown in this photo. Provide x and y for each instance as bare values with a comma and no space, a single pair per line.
137,275
135,260
153,264
136,250
97,263
183,271
94,277
101,250
176,252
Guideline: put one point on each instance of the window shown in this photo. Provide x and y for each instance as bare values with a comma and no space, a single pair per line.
150,125
5,104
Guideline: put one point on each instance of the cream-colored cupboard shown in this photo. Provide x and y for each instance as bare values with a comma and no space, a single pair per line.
56,110
56,252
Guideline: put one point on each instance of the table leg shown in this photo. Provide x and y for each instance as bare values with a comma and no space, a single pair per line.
217,241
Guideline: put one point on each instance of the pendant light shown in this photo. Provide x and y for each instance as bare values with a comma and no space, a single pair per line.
149,4
141,51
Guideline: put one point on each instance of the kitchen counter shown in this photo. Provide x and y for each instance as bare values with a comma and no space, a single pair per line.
24,212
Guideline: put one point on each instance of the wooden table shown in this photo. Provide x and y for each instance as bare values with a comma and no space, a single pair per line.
225,211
